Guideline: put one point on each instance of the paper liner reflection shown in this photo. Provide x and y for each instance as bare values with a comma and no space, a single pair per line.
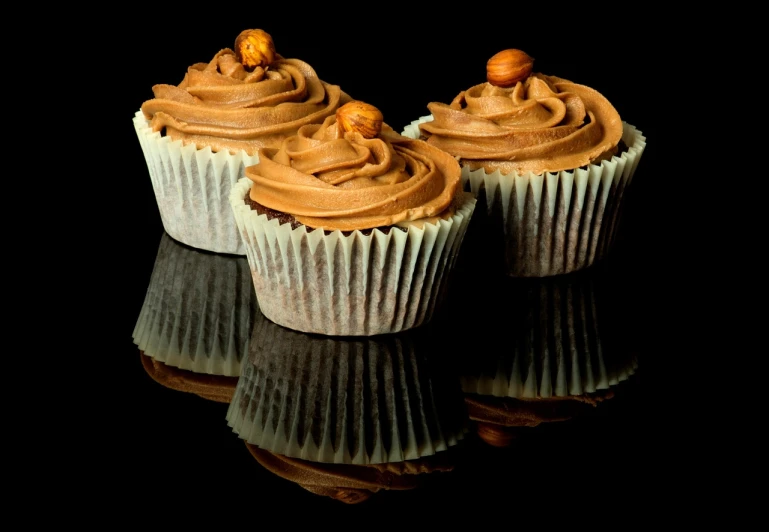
198,312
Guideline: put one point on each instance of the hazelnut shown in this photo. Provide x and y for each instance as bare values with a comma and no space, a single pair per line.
508,67
254,48
361,117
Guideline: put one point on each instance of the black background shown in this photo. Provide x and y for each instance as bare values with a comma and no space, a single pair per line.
176,448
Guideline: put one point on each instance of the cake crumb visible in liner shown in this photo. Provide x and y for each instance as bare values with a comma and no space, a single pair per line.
198,311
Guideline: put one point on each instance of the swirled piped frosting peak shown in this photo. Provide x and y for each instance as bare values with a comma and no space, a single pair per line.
525,122
243,99
354,172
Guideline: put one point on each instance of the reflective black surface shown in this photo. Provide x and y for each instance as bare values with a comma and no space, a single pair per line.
174,427
564,337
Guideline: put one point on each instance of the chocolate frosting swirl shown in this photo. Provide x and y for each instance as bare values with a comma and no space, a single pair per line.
331,179
222,105
541,124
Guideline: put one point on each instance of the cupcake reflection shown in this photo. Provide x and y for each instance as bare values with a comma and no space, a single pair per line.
196,320
564,351
347,400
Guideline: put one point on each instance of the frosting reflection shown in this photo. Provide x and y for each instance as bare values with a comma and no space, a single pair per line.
216,388
352,484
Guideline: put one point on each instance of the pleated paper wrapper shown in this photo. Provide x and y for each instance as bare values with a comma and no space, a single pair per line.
192,189
199,310
556,344
354,400
354,285
555,223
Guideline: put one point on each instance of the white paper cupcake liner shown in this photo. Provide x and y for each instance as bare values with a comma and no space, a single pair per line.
355,400
555,223
199,310
556,346
356,285
192,189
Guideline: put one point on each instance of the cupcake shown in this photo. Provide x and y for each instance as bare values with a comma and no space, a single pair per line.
351,228
550,159
198,136
356,400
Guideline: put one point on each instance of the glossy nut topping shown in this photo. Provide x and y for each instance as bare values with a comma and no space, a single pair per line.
361,117
254,48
